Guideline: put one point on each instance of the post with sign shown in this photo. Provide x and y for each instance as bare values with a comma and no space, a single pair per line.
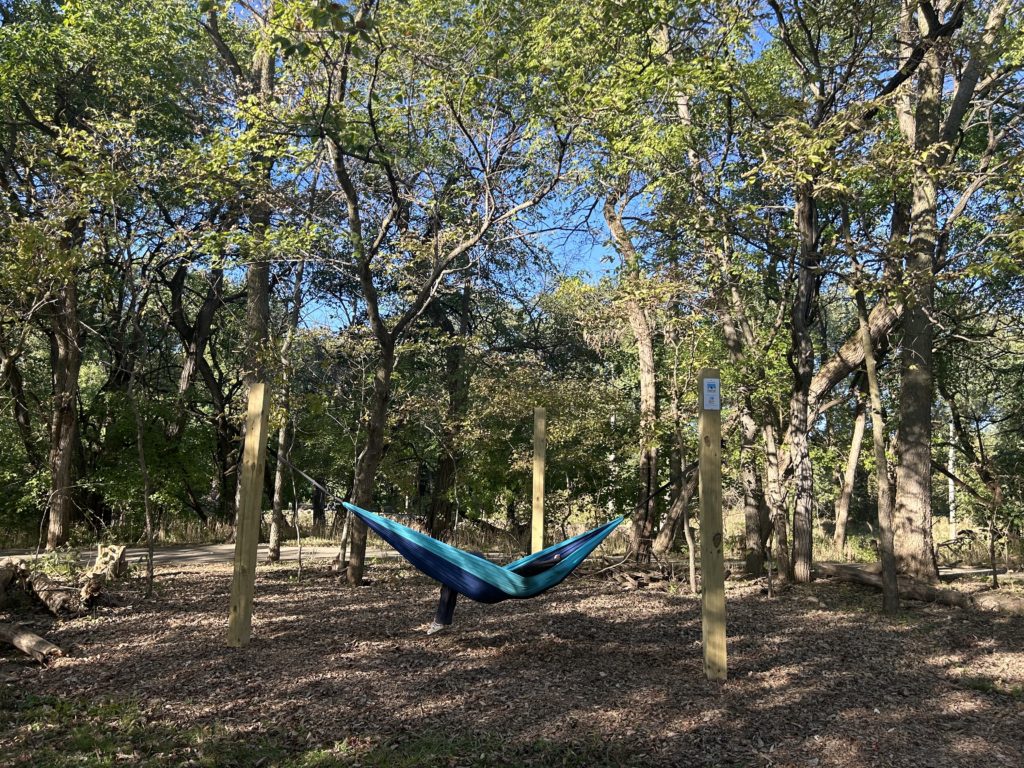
540,444
712,553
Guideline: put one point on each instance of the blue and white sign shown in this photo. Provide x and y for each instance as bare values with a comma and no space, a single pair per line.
712,395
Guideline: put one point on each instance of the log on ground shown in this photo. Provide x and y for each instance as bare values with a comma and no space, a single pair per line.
37,647
55,597
916,590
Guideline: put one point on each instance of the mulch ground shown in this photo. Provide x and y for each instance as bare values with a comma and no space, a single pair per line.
586,673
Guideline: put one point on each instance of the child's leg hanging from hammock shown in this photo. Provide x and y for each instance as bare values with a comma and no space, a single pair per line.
445,609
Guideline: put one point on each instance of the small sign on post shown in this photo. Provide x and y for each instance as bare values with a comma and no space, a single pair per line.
540,442
712,552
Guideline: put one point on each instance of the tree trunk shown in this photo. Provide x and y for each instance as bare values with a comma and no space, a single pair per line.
775,496
951,487
441,513
147,489
194,336
369,459
10,375
678,511
849,477
890,587
913,474
914,471
646,508
645,514
319,501
802,363
284,436
66,361
277,521
755,511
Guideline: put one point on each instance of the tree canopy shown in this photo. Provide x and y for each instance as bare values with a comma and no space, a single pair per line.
421,219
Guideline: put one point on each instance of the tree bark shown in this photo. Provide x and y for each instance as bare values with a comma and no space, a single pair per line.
441,512
914,471
369,459
12,379
55,597
849,476
66,362
802,363
678,511
776,498
319,502
890,587
284,435
277,521
756,522
641,324
38,648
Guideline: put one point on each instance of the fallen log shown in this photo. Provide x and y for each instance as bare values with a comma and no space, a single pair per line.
37,647
916,590
55,597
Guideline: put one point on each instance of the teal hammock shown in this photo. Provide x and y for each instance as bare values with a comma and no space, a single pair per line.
476,577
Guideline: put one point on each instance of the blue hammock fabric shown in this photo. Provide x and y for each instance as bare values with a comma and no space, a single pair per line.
478,578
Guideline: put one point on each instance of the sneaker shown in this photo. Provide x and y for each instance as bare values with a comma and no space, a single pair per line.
435,627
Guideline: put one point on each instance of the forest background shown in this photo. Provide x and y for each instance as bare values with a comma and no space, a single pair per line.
419,220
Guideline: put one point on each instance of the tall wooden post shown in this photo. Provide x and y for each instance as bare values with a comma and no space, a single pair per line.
247,530
540,445
712,555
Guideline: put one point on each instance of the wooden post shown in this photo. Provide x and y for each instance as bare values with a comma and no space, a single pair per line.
540,444
712,556
247,530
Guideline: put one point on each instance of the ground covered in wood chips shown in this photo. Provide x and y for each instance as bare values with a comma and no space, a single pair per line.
586,675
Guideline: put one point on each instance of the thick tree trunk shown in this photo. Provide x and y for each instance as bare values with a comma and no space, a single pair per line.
440,509
369,459
849,477
802,363
66,361
914,472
